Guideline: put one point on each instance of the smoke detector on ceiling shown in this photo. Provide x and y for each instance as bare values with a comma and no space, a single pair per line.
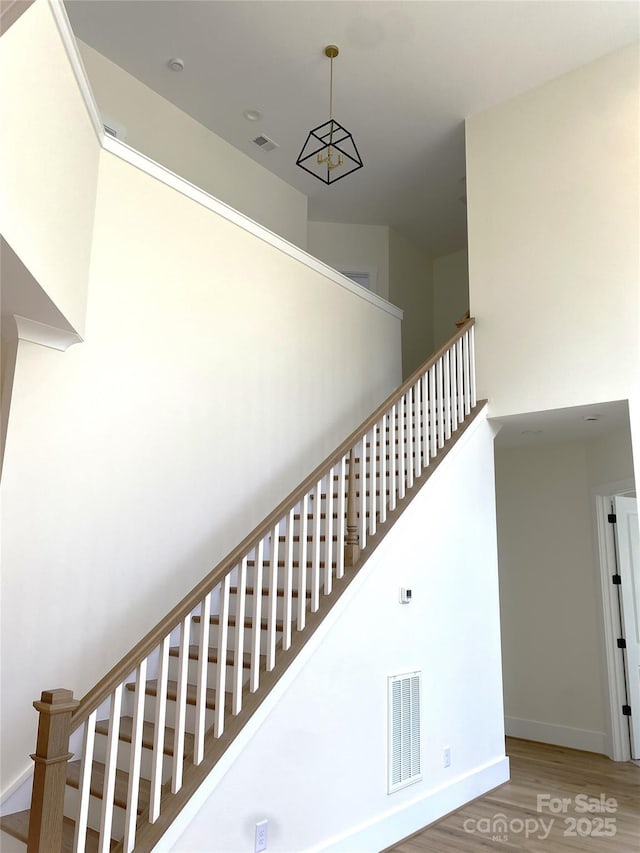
265,143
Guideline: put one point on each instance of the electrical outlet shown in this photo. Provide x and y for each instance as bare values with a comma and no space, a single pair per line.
446,756
261,836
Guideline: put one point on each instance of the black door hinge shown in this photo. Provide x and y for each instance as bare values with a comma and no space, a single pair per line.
611,518
622,643
626,710
616,579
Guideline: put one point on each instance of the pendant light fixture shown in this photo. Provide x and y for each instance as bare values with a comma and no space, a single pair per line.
330,152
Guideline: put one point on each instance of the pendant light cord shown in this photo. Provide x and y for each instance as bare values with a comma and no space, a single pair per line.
331,106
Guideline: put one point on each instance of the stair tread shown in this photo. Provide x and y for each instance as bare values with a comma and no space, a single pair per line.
126,734
194,652
151,689
310,538
17,825
248,622
295,564
233,590
97,784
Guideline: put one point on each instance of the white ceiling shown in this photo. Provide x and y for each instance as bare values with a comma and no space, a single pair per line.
571,424
408,74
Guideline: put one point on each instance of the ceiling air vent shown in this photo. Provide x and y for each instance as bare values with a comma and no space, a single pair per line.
404,730
114,128
265,143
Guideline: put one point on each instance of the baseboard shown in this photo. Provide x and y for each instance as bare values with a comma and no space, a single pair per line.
583,739
9,844
392,826
18,795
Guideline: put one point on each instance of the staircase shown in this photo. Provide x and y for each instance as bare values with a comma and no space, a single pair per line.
113,770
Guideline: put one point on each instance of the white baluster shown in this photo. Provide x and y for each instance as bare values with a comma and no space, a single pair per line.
460,382
425,417
417,429
106,815
408,407
86,766
433,394
203,677
272,607
440,402
383,468
447,395
467,374
158,732
341,526
472,365
328,537
181,706
401,449
373,480
392,458
362,503
454,388
256,628
303,556
288,580
221,668
135,759
315,554
238,655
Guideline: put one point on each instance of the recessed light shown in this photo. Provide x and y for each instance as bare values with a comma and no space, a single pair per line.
252,115
591,417
176,64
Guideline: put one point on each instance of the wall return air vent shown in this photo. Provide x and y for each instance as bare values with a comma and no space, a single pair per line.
405,766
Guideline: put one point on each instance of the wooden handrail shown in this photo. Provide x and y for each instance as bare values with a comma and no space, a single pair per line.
105,687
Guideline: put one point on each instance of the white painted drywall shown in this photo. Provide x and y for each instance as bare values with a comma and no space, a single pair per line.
217,372
353,248
552,626
48,175
553,183
172,138
411,288
317,767
450,294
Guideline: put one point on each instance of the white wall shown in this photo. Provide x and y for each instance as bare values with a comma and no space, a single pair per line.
450,294
217,371
42,163
317,767
552,625
353,248
172,138
553,181
411,288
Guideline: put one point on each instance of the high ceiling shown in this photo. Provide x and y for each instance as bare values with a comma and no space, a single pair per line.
408,74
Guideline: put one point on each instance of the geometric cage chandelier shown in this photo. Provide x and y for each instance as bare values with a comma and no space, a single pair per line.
330,152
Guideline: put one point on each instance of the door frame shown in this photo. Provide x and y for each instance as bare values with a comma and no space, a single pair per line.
619,744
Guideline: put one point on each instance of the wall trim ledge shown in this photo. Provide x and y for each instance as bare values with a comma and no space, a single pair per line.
145,164
583,739
46,336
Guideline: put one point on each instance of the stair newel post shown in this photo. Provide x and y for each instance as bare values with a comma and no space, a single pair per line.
55,708
352,542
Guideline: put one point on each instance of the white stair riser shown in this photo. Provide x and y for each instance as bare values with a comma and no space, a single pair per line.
212,668
71,804
124,755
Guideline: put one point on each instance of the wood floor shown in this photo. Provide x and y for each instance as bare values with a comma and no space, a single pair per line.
537,770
